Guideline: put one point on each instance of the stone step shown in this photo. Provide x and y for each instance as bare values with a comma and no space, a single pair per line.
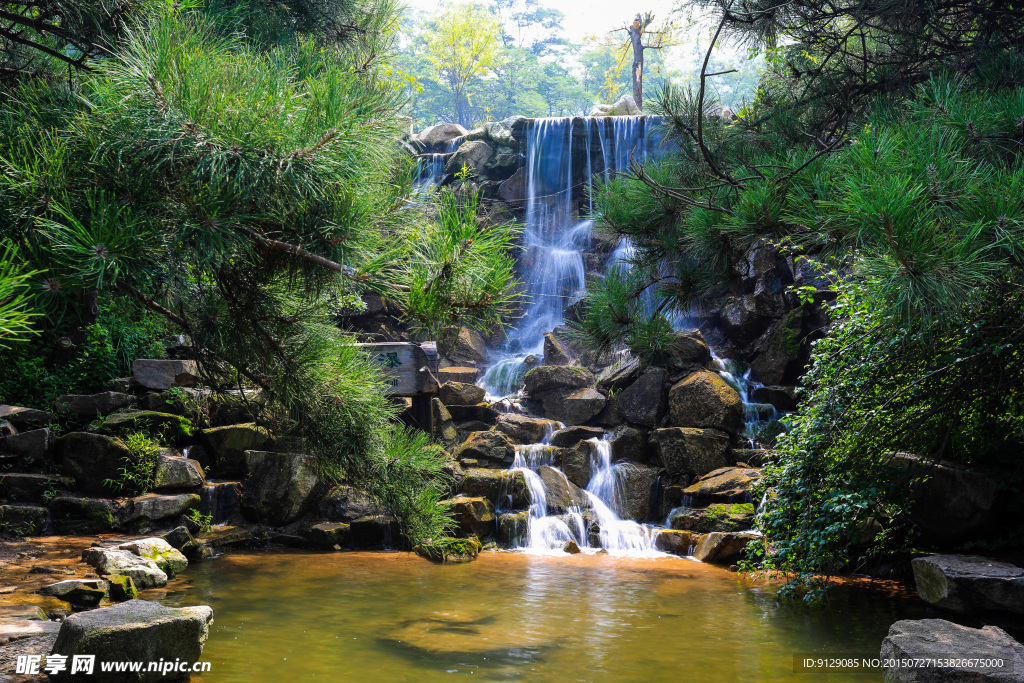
32,488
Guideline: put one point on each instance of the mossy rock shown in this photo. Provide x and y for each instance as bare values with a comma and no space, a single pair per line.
121,587
168,427
718,517
450,550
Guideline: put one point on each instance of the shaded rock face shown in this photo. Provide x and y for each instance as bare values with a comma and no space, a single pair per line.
703,399
474,516
722,547
25,418
526,430
554,352
84,592
951,503
544,378
85,408
161,375
729,484
573,407
643,401
619,374
442,427
30,445
576,463
461,394
71,515
226,447
688,452
27,487
716,517
136,630
328,534
628,445
90,459
462,346
969,583
24,520
513,190
380,531
638,486
487,449
943,649
689,349
506,489
562,495
279,487
344,503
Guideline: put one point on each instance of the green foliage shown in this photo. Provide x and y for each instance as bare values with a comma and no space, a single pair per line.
462,272
135,475
119,336
15,315
202,522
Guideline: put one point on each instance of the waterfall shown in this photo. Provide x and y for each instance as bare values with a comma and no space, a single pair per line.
548,534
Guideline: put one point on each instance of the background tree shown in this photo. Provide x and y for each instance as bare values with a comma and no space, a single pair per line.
637,32
462,47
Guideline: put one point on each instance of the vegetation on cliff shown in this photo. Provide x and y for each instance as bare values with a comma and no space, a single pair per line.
884,145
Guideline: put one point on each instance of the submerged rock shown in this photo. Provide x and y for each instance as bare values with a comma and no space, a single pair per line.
136,630
717,517
969,583
936,651
704,399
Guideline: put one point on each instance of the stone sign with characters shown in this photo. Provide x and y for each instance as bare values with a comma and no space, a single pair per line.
411,368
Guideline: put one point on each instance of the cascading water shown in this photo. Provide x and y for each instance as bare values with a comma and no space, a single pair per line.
548,533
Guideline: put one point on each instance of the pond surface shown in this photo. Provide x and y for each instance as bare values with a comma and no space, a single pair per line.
293,615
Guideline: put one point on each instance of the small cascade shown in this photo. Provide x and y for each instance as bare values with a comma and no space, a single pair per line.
593,527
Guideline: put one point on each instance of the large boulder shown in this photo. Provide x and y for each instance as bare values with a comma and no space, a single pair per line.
780,353
473,155
176,472
91,459
740,321
717,517
143,571
474,516
949,502
561,494
570,436
969,583
722,547
154,506
279,487
513,190
462,346
165,556
689,349
643,401
573,406
513,528
673,541
688,452
344,503
488,449
704,399
638,486
545,378
226,447
461,394
554,352
624,106
939,651
136,630
726,485
507,489
87,407
526,430
620,374
161,375
576,463
440,135
501,133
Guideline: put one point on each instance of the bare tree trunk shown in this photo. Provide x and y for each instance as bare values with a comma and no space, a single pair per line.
636,35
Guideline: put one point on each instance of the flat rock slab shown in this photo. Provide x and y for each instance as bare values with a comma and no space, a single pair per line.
11,631
86,592
969,583
87,407
164,374
941,641
154,506
135,630
143,571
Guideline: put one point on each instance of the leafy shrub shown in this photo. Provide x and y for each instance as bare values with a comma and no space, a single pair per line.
136,475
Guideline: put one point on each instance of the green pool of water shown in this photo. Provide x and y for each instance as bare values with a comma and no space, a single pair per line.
300,616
